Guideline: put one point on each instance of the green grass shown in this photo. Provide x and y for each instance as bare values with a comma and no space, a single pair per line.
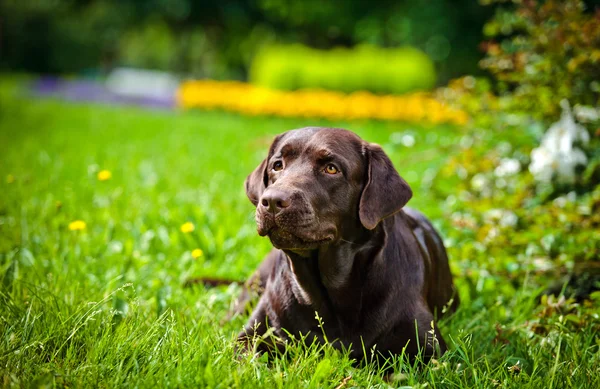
106,306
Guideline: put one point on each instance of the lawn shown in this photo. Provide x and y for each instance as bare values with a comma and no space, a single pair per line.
106,305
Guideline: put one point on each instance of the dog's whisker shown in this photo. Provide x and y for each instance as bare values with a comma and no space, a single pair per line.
347,241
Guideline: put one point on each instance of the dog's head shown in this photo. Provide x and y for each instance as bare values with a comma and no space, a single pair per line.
320,185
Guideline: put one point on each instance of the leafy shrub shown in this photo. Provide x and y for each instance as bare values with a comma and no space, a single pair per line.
504,229
152,46
545,58
377,70
543,52
446,30
58,36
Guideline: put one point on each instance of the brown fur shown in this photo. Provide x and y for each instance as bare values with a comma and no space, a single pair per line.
346,249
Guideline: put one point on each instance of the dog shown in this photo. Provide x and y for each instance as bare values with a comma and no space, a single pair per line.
351,265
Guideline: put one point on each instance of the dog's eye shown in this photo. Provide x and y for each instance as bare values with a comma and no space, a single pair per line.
277,166
331,169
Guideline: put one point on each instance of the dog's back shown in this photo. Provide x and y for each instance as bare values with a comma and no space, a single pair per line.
439,290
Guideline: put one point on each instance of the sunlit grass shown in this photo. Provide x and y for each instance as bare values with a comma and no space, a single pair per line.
93,264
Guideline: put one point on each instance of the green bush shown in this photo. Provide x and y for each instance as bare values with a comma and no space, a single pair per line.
369,68
545,58
542,52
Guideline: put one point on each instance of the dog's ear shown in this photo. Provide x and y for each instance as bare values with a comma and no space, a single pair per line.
258,180
385,192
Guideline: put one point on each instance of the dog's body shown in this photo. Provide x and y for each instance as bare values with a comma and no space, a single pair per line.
346,251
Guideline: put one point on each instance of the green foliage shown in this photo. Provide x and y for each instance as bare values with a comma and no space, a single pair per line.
217,39
545,59
136,51
106,306
55,36
447,31
508,218
545,51
92,37
362,68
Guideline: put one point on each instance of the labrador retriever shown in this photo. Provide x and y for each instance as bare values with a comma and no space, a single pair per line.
351,265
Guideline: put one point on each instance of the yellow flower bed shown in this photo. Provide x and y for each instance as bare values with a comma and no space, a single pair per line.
253,100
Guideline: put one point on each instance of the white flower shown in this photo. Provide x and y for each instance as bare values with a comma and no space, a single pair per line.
503,217
562,201
405,139
507,167
558,156
408,140
542,164
478,182
585,113
566,167
509,219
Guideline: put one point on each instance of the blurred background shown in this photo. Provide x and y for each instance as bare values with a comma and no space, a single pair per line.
219,39
489,109
142,52
514,83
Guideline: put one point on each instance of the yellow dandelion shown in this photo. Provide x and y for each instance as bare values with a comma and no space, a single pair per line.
104,175
10,179
197,253
188,227
77,225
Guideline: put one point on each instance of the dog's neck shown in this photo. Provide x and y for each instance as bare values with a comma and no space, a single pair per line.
334,274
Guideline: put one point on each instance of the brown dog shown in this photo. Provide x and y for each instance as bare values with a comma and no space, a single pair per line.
346,250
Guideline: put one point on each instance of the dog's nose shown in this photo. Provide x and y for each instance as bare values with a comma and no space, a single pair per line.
275,200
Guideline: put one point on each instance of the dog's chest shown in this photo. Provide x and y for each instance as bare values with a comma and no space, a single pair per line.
336,314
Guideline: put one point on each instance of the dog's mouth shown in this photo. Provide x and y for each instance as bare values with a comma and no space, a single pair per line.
293,231
285,240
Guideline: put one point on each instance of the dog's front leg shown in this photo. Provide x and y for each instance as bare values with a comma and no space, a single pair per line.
255,286
257,335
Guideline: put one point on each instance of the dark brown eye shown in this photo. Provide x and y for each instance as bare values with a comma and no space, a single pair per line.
277,166
331,169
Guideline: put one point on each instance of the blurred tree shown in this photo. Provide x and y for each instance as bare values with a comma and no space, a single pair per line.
217,38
